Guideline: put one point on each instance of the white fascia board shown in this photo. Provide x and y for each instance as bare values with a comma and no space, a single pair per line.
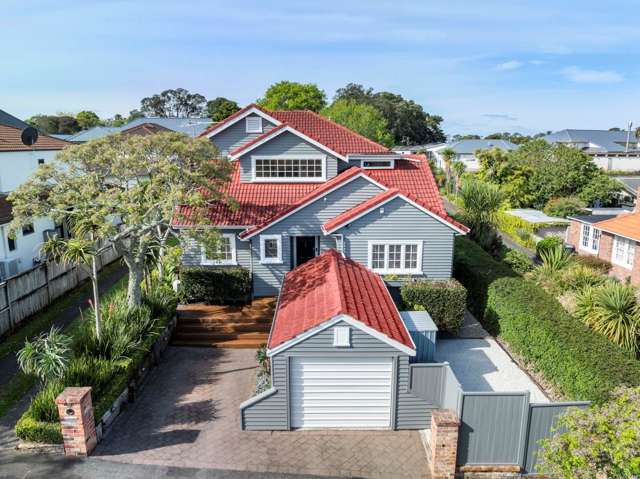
277,133
304,205
433,215
352,322
252,110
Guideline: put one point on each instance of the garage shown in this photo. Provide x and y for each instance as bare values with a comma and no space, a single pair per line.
341,392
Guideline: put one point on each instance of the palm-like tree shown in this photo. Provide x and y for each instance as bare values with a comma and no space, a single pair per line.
458,170
447,156
83,253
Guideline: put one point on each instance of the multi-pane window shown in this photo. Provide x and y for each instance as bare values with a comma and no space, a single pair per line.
271,249
590,239
303,169
623,251
223,253
395,256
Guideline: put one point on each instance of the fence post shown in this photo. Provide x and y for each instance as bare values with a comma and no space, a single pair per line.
443,443
9,309
76,419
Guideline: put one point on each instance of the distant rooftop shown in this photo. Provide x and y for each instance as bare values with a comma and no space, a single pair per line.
471,146
596,141
10,120
190,126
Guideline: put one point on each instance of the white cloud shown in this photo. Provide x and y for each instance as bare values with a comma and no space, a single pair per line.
582,75
510,65
500,116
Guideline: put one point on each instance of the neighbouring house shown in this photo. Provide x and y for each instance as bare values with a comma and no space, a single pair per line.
305,184
144,126
465,151
340,354
610,150
612,238
17,163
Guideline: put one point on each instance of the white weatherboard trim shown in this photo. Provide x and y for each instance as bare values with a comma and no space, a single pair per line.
311,201
289,179
221,262
265,260
252,110
386,269
275,133
351,321
257,128
378,205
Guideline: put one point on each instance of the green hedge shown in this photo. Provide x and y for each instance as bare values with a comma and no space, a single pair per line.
30,429
215,285
581,363
476,270
444,300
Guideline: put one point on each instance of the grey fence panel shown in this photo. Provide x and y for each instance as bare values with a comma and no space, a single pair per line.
5,322
452,391
63,283
493,428
24,283
427,381
542,421
28,305
3,296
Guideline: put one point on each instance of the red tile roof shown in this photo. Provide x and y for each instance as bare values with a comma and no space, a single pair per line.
10,140
330,285
350,214
262,203
626,224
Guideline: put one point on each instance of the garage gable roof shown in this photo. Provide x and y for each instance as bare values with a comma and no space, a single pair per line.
329,289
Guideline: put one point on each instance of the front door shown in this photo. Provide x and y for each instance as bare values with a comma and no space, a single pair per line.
304,249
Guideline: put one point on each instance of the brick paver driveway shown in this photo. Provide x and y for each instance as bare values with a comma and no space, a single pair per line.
188,416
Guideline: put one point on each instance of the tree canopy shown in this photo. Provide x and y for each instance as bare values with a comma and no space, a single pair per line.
87,119
407,121
288,95
220,108
126,190
361,118
62,123
177,102
538,171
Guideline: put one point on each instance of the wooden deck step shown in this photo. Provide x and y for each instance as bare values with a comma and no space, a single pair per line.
216,336
233,344
222,327
227,318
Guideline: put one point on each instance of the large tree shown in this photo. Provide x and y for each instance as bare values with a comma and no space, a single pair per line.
55,124
408,122
126,190
87,119
364,119
179,103
288,95
220,108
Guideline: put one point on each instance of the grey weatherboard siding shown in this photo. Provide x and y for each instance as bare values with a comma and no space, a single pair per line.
236,135
272,413
286,144
192,253
402,221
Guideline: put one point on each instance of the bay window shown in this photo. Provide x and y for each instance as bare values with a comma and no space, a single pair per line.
623,252
402,257
224,252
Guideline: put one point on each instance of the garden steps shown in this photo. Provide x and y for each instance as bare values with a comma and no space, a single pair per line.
219,326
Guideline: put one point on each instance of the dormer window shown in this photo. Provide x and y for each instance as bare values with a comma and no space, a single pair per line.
377,164
254,124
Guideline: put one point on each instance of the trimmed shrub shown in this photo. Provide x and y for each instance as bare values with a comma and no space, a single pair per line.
476,270
215,285
581,363
444,300
29,429
594,262
518,261
548,243
563,207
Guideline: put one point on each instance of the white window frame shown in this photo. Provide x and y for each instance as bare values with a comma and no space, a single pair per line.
292,179
377,162
592,238
256,129
220,262
402,270
342,337
628,255
265,260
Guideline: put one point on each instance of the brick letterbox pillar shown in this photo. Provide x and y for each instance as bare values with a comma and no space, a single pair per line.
76,418
443,443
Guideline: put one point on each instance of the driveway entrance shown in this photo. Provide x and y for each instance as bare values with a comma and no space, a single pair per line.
188,416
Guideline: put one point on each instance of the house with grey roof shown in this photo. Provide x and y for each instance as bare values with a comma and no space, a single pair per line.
466,150
189,126
610,150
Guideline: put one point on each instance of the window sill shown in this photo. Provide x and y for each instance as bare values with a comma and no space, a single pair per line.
587,250
266,261
218,263
288,180
625,266
395,271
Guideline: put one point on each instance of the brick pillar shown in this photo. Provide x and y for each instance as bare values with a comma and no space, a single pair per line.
443,443
76,418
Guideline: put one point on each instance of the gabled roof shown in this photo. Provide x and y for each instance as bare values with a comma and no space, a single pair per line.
359,210
10,140
189,126
330,287
626,225
250,109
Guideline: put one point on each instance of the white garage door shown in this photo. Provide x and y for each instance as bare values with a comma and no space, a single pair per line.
341,392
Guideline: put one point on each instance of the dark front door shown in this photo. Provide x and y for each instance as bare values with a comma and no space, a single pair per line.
305,249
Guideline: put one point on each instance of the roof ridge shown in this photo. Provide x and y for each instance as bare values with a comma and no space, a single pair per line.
339,283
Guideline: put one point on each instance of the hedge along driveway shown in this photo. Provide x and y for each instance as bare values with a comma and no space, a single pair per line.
580,363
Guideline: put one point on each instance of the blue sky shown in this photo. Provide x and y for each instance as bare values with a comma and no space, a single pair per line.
484,66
